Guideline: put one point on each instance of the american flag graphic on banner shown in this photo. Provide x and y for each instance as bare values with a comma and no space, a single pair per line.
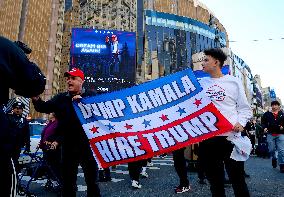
156,117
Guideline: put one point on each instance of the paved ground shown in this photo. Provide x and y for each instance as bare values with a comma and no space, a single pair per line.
264,181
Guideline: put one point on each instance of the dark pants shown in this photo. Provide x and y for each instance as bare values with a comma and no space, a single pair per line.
199,167
180,166
134,169
7,177
15,156
71,158
252,139
200,170
104,175
53,159
214,153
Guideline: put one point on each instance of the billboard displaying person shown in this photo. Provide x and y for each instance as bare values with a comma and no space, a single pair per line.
107,57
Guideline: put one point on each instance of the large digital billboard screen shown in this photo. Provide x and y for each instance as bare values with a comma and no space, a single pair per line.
107,57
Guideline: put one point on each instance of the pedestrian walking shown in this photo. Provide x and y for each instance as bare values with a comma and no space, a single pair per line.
250,130
228,95
273,125
259,133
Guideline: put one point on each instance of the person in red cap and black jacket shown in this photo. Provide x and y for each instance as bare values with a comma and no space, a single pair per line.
71,136
23,76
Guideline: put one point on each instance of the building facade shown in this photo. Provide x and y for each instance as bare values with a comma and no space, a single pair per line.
71,20
170,32
162,48
109,14
170,41
269,95
266,98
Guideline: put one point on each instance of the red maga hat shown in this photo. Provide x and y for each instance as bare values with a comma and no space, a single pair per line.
75,72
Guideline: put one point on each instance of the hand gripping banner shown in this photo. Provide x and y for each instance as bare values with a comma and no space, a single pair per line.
156,117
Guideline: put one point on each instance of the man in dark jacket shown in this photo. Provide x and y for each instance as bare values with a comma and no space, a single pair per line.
250,132
273,125
71,136
20,132
23,76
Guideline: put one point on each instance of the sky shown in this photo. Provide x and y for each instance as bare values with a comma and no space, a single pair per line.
248,20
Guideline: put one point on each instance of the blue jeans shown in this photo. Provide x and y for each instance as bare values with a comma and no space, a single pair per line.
276,143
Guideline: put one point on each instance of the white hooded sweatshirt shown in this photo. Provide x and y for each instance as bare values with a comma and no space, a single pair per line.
228,95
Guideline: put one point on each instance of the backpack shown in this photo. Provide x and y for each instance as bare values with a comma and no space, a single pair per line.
262,150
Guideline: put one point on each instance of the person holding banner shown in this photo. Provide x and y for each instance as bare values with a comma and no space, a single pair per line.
228,95
71,136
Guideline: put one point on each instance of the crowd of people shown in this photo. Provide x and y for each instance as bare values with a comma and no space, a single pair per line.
65,146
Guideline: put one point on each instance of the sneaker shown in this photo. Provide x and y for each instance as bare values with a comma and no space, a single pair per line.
144,174
163,156
175,187
150,164
135,184
181,189
274,163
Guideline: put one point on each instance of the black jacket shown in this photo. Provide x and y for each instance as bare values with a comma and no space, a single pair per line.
273,125
69,130
21,75
249,128
20,131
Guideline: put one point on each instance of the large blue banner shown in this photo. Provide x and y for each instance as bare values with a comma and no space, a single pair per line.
150,119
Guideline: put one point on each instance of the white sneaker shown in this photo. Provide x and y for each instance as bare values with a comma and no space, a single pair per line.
144,174
181,189
136,184
150,164
163,156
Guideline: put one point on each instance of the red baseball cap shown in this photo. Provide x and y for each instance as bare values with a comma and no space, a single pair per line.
75,72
